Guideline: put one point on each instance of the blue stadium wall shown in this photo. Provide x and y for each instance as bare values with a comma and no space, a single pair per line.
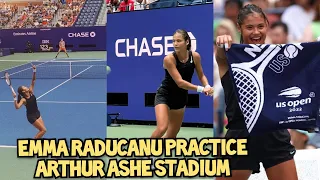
137,43
43,40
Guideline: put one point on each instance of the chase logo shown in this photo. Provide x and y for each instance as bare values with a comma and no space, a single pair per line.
292,92
92,34
193,41
148,46
82,34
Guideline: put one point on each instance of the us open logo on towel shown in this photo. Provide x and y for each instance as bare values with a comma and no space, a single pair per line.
276,85
297,104
249,77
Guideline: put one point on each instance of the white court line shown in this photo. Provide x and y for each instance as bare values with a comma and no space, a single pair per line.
4,70
23,65
64,102
63,83
4,146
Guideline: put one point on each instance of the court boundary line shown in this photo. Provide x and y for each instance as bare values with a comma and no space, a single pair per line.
63,82
5,146
16,66
64,102
44,62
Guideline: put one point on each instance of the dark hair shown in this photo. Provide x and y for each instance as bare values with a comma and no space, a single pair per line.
312,2
239,3
249,9
280,24
185,36
20,94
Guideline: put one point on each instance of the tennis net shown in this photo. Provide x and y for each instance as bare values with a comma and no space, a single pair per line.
55,69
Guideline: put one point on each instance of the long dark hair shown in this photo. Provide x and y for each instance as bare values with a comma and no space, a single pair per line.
245,11
185,36
20,94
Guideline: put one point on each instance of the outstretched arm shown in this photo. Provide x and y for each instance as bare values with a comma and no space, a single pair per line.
33,78
169,64
202,78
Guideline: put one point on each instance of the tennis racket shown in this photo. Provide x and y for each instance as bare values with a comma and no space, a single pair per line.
250,84
8,81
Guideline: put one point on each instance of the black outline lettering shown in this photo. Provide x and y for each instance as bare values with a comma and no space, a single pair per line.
113,175
245,146
214,162
205,147
156,169
72,148
26,151
41,175
67,168
86,161
48,152
124,147
128,163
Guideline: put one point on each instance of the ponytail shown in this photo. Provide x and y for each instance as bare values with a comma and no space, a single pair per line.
20,95
241,39
189,45
19,98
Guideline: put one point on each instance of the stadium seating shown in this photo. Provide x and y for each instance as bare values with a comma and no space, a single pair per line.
89,13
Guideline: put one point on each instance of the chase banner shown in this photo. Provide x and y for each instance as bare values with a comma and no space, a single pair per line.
77,39
278,86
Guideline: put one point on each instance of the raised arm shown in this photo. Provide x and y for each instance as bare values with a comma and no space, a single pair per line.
226,42
18,103
33,79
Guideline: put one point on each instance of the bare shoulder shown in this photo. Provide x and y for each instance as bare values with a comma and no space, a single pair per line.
195,54
168,58
168,61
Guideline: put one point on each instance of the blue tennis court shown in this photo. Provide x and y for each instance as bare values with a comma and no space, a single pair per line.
71,97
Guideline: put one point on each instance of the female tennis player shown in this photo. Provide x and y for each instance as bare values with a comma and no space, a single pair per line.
27,98
273,149
62,47
172,96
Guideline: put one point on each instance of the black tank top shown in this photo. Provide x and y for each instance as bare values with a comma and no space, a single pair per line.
31,105
233,111
186,71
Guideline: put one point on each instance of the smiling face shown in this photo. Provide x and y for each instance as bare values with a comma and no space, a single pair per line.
253,29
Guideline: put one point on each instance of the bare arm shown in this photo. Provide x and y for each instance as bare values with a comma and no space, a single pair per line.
18,105
169,64
33,79
202,78
220,53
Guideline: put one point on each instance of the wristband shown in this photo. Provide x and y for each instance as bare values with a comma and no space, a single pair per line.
15,98
200,89
34,70
207,86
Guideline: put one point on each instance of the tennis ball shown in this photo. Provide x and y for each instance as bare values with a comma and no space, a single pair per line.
108,69
291,51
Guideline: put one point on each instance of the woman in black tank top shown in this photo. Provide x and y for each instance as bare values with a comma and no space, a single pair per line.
273,149
27,98
172,96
